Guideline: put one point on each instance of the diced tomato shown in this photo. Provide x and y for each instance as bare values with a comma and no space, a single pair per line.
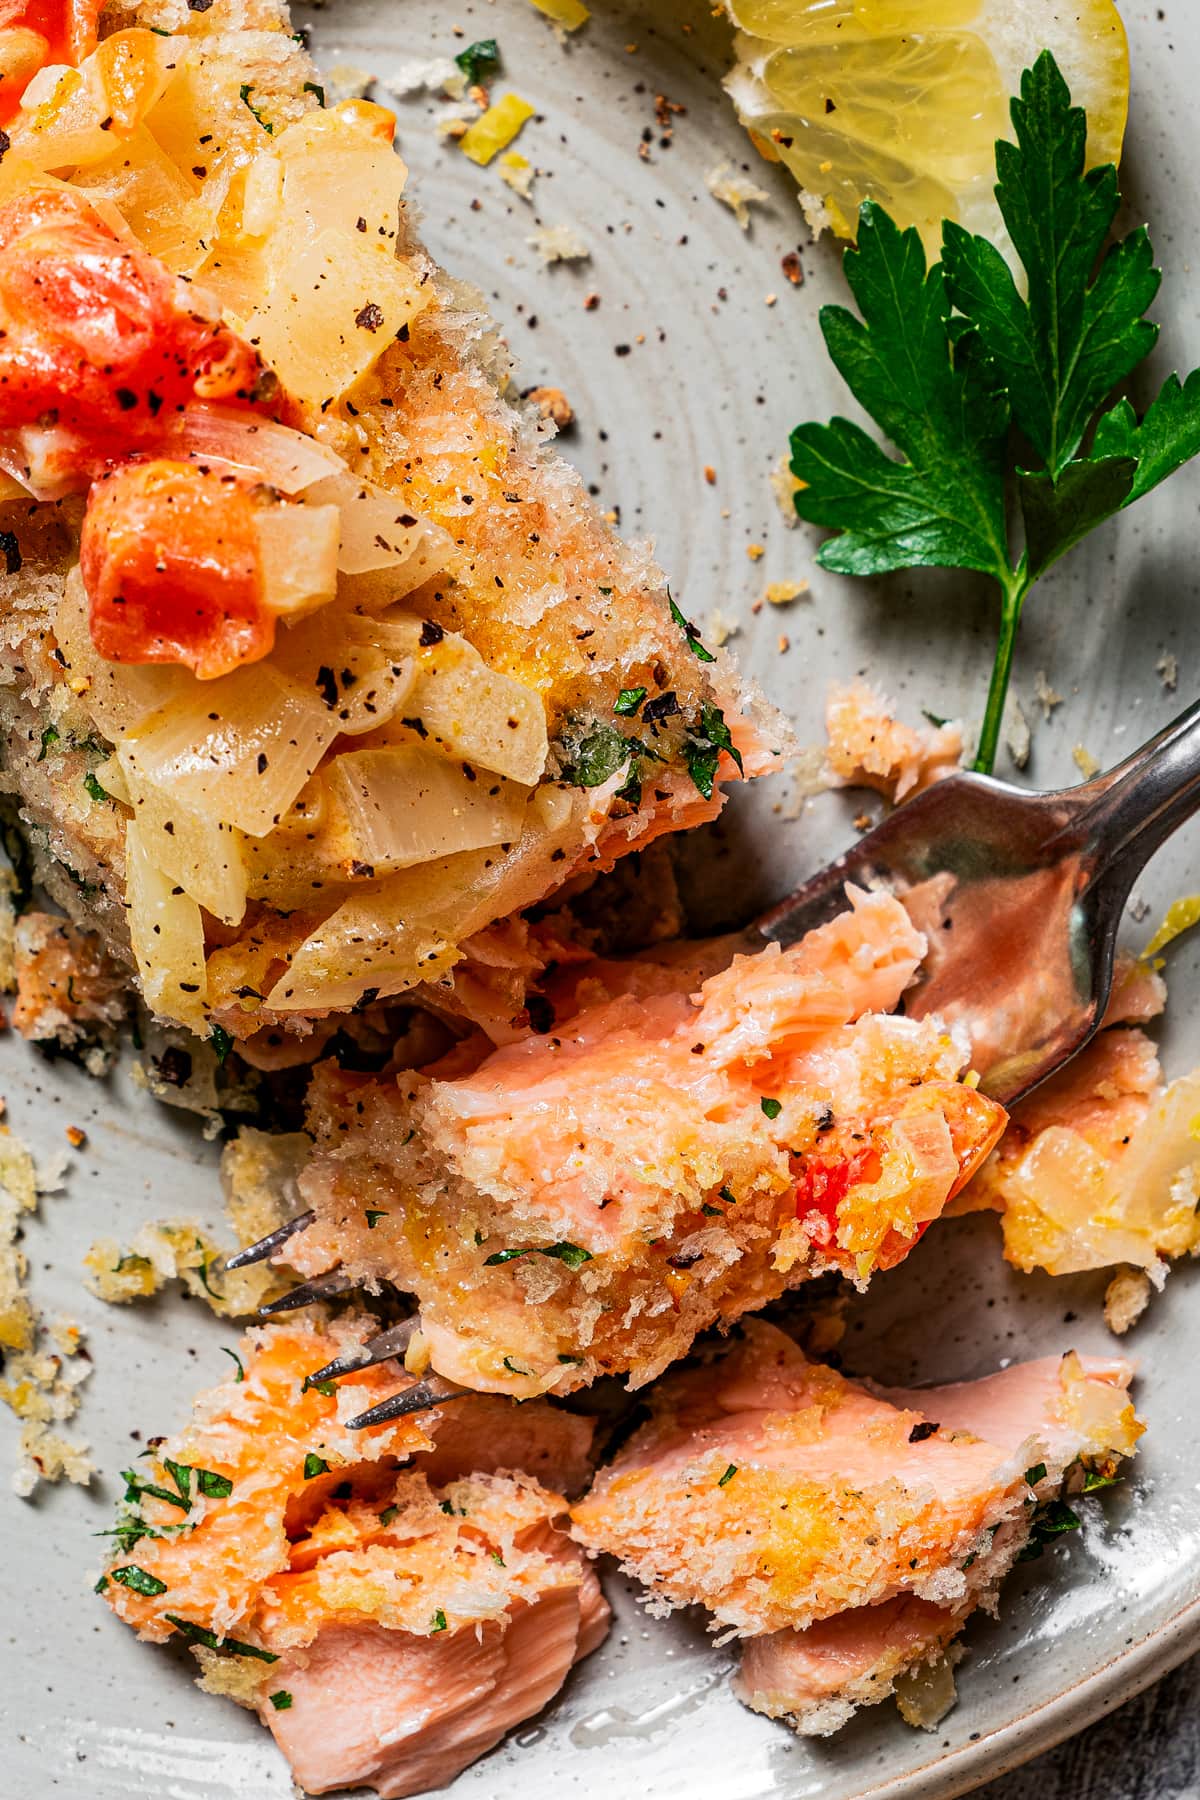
99,339
170,561
68,31
824,1185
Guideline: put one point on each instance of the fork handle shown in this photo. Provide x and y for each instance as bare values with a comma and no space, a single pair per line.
1129,812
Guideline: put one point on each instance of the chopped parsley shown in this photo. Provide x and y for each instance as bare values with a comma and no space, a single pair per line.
498,1559
628,701
94,788
572,1255
100,1585
729,1198
1006,375
51,737
691,633
513,1368
282,1701
328,1388
245,92
197,1634
241,1373
711,1212
1093,1481
310,87
135,1488
596,757
478,58
1049,1521
703,746
772,1108
373,1217
140,1580
388,1514
1036,1474
728,1476
314,1465
222,1043
438,1622
563,1357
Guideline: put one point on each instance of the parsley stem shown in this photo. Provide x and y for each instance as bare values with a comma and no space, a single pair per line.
1014,590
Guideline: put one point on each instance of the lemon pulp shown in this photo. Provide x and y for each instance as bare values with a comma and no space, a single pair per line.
901,101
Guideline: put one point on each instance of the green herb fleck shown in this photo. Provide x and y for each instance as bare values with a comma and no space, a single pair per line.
245,91
478,58
628,701
772,1108
222,1043
314,1465
94,788
100,1585
711,1212
130,1576
514,1369
328,1388
703,746
373,1217
310,87
691,633
282,1701
197,1634
388,1514
1093,1481
438,1622
1036,1474
1049,1521
572,1255
728,1476
498,1559
564,1358
982,352
729,1198
241,1373
50,738
596,757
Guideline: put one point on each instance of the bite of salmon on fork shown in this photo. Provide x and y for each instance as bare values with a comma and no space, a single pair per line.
674,1153
390,1602
316,658
843,1532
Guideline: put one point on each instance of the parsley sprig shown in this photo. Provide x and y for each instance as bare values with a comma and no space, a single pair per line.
992,388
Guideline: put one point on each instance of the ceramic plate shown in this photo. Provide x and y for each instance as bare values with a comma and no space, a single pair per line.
685,361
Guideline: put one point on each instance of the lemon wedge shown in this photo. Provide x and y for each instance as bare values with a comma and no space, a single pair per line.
901,101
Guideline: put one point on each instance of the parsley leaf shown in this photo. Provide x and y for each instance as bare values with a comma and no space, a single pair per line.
595,758
281,1701
691,633
944,503
626,702
314,1465
572,1255
198,1634
728,1476
1061,351
438,1622
221,1041
772,1108
241,1373
949,360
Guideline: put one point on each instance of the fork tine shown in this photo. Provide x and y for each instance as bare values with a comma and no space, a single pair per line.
376,1350
268,1245
433,1391
322,1287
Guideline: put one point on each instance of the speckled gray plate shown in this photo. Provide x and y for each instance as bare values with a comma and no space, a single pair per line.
713,374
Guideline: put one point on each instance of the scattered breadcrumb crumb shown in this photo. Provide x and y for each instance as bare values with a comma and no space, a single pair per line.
1126,1298
810,776
559,243
710,475
518,173
754,551
721,629
782,593
785,487
39,1383
1138,908
735,191
68,989
434,75
1085,762
793,268
552,403
1017,735
1046,696
76,1136
1167,670
453,126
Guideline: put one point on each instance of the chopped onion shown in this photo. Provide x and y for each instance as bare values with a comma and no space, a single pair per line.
473,711
153,199
298,553
239,748
335,306
337,657
410,927
286,459
119,696
167,934
405,806
198,852
379,532
332,166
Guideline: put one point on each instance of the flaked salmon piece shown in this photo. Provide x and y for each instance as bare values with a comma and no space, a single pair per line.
586,1200
391,1601
68,989
777,1493
869,747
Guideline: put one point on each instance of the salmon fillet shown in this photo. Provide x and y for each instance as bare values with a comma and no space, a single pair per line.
390,1601
676,1152
845,1531
347,640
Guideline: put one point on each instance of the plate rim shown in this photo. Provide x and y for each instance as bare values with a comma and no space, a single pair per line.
1064,1715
